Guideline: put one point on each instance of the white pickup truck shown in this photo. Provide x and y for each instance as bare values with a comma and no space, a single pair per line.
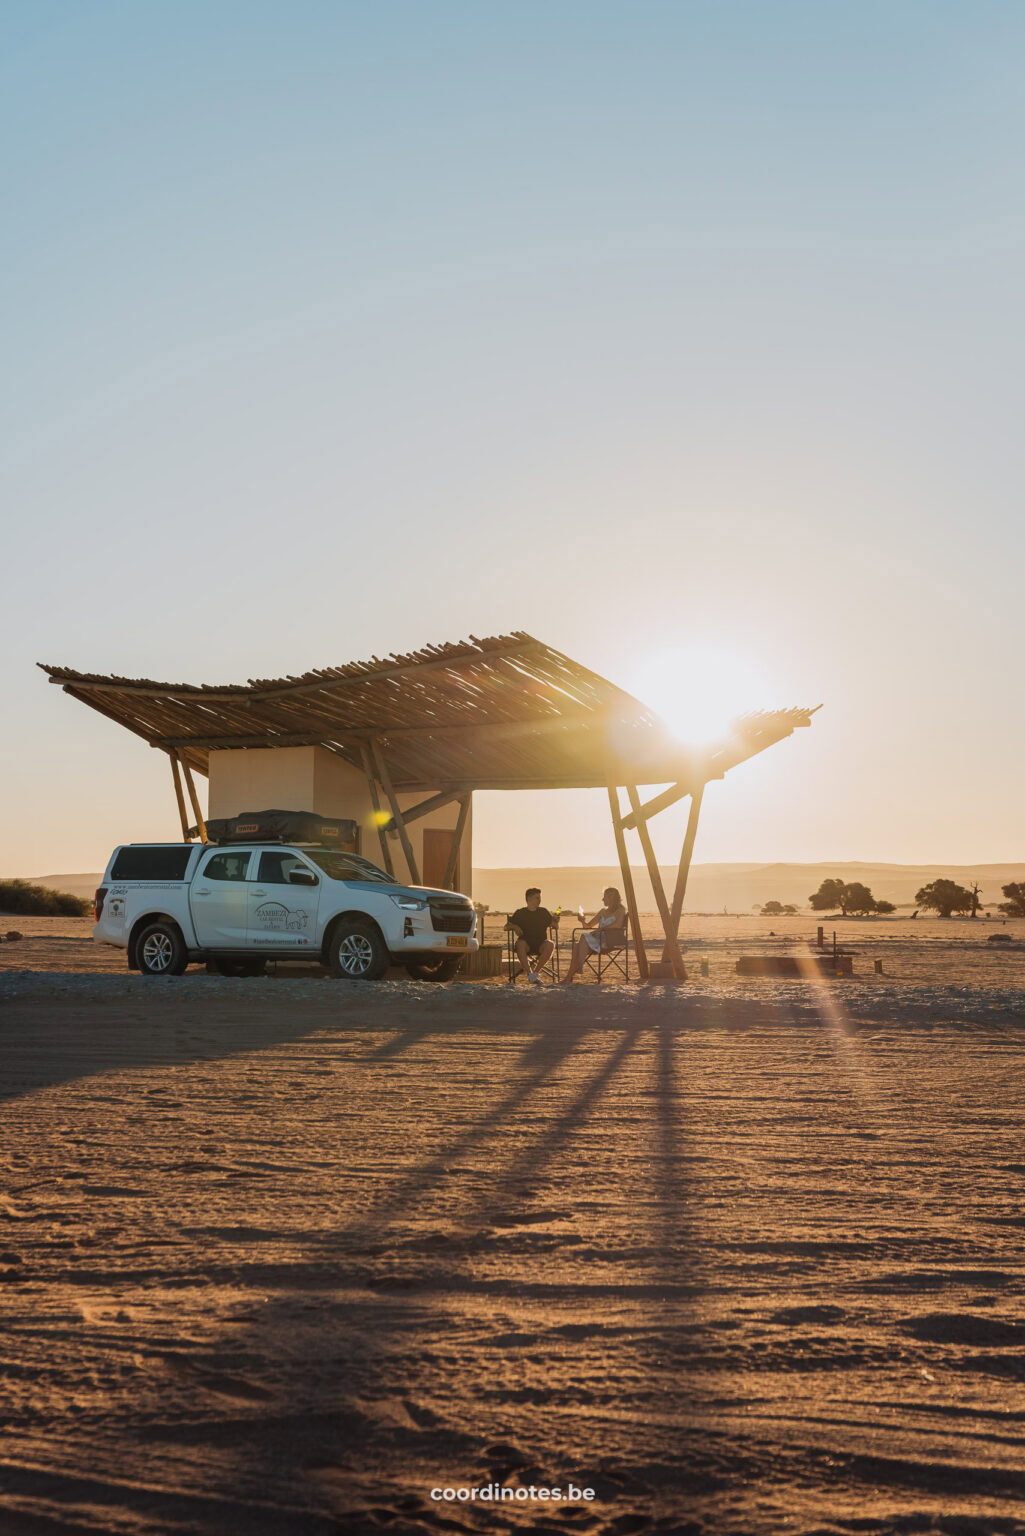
238,906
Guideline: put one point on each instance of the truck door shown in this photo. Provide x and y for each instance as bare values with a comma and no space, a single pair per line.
283,901
219,899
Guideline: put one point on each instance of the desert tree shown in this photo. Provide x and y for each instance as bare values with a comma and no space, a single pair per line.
1014,906
944,897
853,900
860,901
830,895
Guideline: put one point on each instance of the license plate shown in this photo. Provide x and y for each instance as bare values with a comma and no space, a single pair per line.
454,943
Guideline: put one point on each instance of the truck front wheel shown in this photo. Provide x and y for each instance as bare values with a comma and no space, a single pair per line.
357,952
160,950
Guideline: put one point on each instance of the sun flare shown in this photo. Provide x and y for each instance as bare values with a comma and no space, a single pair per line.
699,690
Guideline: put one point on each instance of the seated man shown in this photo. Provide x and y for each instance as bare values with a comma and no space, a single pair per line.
530,926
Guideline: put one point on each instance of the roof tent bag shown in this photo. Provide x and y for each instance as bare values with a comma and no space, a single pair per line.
285,827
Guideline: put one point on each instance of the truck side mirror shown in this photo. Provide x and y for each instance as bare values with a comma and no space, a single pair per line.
302,877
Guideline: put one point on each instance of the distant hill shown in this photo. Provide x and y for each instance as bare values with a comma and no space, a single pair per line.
711,888
76,885
735,887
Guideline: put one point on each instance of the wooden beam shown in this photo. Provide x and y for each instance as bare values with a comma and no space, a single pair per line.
641,813
425,807
684,870
453,858
269,738
368,769
655,876
400,825
628,884
179,796
200,823
540,725
387,671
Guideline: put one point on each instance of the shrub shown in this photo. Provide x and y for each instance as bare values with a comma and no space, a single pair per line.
39,901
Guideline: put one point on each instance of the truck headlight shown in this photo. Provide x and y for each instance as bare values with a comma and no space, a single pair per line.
410,903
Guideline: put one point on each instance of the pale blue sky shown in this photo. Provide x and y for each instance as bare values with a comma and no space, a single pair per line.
332,329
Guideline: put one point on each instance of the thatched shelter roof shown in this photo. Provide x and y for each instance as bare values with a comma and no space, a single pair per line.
502,713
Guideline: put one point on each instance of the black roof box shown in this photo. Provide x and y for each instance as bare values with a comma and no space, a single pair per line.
282,827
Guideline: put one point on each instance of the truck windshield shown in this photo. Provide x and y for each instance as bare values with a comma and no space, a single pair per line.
346,866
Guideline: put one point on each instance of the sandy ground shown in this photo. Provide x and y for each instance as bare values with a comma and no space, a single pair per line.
279,1257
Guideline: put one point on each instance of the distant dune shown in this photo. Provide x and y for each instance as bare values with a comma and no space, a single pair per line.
712,887
75,885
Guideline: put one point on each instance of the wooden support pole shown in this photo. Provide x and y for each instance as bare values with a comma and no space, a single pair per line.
368,769
179,795
684,870
400,825
453,858
190,785
655,876
628,884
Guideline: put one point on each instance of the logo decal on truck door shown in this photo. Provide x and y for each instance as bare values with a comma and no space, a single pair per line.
273,915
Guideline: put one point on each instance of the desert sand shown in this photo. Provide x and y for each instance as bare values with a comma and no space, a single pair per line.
281,1256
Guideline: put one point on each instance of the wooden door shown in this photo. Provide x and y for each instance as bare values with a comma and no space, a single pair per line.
436,854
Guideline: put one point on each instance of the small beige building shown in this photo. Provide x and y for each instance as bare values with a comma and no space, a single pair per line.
314,779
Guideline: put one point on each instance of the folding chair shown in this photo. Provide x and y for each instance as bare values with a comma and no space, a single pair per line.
551,966
615,957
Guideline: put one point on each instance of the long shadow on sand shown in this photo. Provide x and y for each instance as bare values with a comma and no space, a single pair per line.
427,1379
61,1038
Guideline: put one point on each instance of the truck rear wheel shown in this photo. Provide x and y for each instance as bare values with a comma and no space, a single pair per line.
443,968
160,950
356,951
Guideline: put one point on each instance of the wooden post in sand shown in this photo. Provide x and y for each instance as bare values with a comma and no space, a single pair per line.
386,784
368,769
190,785
457,837
179,796
655,876
687,853
628,884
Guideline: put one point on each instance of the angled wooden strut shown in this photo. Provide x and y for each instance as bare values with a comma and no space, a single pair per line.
639,813
671,953
425,807
179,795
368,769
453,858
190,785
386,784
628,884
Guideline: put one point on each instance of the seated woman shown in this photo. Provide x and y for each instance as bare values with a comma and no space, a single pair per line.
610,923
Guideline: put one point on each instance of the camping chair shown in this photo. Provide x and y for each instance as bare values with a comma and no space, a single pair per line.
551,965
615,958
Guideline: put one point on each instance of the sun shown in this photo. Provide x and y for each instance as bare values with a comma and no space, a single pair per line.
699,690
